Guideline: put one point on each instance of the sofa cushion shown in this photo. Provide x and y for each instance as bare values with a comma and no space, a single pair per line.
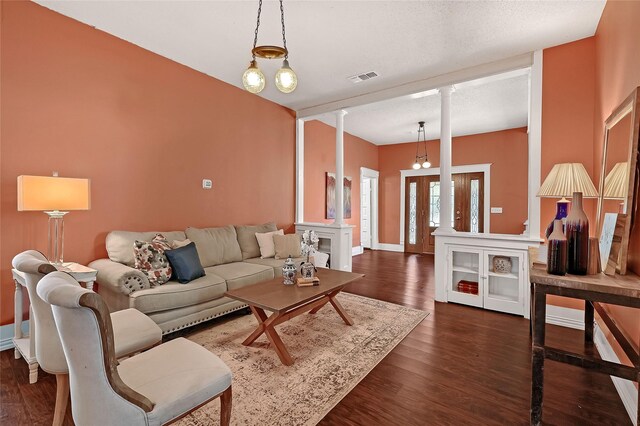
276,264
120,243
267,246
150,258
216,246
173,295
287,245
247,238
185,263
240,274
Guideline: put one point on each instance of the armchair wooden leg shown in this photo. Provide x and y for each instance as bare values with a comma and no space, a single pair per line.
62,398
225,407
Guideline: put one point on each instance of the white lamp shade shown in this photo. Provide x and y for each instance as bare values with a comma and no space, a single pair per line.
616,184
565,179
48,193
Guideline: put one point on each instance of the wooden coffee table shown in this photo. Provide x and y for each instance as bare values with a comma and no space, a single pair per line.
289,301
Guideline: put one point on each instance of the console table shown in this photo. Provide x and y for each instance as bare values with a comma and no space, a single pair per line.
25,346
621,290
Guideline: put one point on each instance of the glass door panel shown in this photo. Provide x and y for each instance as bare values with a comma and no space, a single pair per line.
504,276
474,205
434,203
465,277
413,212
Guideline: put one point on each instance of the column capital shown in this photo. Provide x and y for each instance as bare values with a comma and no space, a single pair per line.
341,112
447,90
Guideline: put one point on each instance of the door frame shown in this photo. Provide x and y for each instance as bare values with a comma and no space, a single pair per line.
470,168
374,176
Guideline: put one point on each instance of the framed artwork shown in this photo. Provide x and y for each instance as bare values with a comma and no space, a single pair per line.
330,182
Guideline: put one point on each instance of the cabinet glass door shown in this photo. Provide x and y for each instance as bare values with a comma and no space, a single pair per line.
465,283
503,287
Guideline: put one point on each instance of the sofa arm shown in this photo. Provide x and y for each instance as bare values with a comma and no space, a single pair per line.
120,278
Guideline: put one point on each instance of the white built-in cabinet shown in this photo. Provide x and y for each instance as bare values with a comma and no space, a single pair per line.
465,271
497,291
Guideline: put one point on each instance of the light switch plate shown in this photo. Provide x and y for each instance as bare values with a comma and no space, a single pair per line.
207,184
496,209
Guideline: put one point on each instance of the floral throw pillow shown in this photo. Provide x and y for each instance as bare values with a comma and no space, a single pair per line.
150,259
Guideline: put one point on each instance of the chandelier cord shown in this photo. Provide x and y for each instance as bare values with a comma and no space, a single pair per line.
284,39
424,139
255,36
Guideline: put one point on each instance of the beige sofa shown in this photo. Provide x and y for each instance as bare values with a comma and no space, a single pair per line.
231,259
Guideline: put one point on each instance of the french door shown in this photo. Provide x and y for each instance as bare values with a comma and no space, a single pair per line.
422,208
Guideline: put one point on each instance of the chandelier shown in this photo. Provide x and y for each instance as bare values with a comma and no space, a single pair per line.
421,160
253,79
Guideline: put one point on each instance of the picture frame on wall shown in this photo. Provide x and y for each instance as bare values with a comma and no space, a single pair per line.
330,183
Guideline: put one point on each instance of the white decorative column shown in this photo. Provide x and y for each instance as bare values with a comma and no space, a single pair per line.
535,143
445,159
299,170
340,167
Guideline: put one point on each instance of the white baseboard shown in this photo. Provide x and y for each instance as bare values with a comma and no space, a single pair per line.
390,247
7,333
565,317
626,389
357,250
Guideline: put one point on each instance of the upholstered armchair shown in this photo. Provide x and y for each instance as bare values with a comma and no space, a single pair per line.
153,388
133,331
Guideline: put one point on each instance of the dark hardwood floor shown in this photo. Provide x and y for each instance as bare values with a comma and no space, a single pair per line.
460,366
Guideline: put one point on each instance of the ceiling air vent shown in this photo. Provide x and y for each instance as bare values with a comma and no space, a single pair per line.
363,77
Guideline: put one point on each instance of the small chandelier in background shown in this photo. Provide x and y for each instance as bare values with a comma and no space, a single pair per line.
253,79
421,160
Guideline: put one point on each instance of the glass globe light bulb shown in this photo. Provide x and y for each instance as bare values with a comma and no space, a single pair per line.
416,165
426,164
286,79
253,79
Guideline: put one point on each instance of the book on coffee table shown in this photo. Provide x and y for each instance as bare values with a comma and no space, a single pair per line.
307,282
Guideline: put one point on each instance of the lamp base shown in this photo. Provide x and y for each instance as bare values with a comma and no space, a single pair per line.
55,247
562,209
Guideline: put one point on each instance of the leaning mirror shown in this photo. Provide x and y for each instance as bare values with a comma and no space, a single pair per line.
619,174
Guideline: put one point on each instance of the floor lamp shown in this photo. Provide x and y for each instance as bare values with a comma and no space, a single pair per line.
56,196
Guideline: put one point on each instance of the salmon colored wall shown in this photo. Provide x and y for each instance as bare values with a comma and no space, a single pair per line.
145,129
568,78
617,75
506,150
320,157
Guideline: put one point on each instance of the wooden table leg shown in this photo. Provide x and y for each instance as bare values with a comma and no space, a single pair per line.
317,308
531,310
261,316
275,340
537,358
338,307
588,321
267,325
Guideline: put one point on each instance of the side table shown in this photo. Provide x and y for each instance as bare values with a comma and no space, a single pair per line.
622,290
25,346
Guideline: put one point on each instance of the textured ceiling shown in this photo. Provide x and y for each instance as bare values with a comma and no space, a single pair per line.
476,107
329,41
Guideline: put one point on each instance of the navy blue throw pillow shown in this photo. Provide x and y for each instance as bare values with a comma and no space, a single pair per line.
185,263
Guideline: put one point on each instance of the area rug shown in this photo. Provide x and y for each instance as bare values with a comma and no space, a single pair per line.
330,358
